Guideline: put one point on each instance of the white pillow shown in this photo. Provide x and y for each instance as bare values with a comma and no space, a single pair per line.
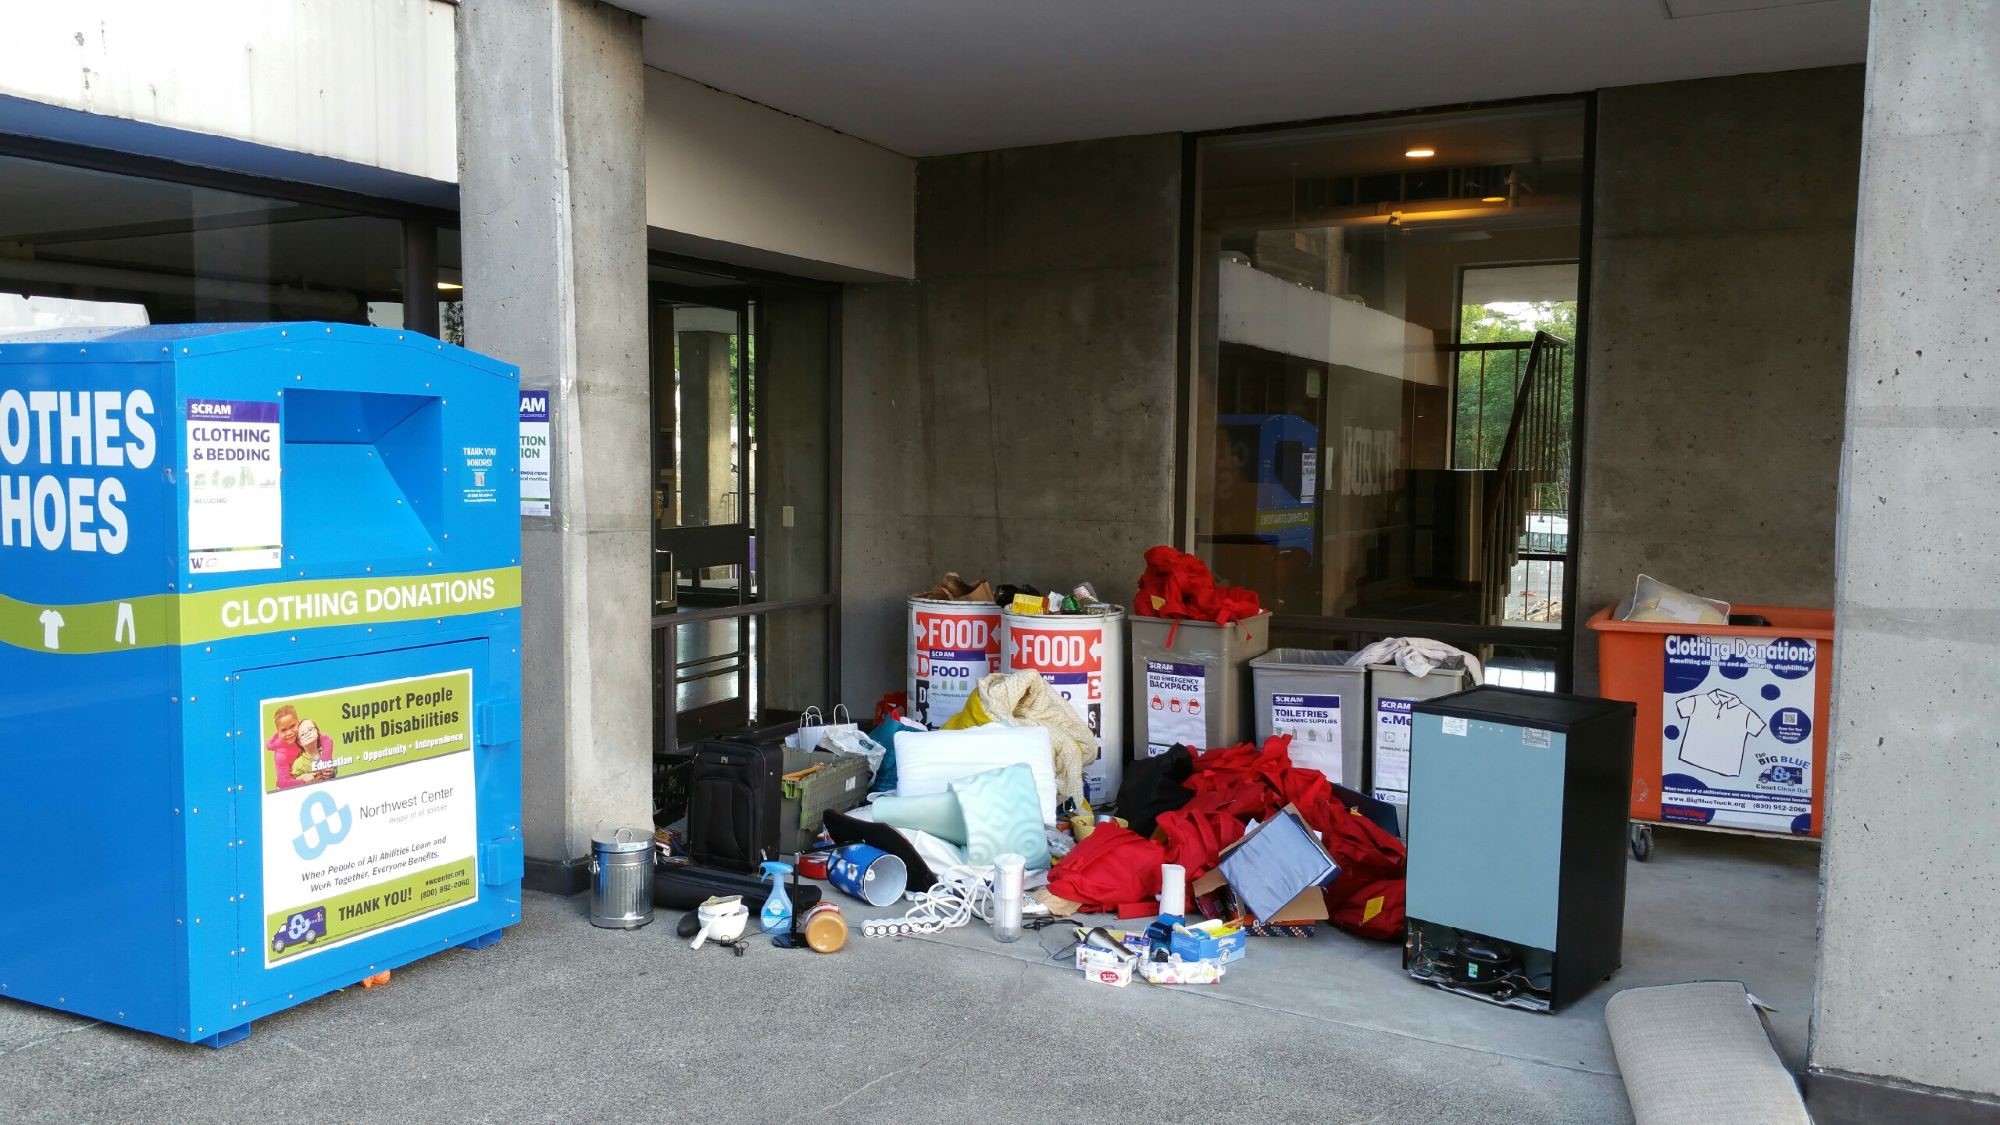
928,761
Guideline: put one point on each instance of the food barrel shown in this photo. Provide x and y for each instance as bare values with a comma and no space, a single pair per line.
1082,656
952,645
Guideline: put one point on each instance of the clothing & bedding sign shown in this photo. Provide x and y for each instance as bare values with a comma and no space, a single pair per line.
1736,745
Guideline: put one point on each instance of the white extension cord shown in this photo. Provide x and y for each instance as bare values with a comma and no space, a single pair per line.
960,894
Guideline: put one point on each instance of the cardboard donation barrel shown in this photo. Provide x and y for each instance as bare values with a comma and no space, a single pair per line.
1319,699
1732,722
1079,655
1392,693
952,645
259,624
1191,681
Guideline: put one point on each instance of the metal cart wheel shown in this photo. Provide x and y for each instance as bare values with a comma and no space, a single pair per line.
1642,842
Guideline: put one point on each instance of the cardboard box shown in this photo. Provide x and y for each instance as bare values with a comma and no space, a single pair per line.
1280,929
1174,970
1210,941
1104,966
839,783
1307,906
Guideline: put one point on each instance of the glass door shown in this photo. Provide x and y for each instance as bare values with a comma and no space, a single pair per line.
704,501
745,501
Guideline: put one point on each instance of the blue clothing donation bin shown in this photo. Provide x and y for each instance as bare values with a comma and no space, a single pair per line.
259,666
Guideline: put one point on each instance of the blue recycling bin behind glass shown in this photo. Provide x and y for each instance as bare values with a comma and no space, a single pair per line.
259,666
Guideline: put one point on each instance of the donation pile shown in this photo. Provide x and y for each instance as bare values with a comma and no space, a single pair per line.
969,797
1243,823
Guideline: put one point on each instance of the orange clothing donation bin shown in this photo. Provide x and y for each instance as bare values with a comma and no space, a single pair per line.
1732,726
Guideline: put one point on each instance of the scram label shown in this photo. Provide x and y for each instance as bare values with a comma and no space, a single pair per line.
71,511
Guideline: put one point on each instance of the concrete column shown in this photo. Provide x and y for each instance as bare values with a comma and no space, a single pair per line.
552,199
1903,1026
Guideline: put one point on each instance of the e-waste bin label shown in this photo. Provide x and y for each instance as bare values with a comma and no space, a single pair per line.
953,652
535,458
1176,706
1313,721
370,815
1736,745
235,517
1391,780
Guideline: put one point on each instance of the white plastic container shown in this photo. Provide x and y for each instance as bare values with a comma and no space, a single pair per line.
952,645
1082,656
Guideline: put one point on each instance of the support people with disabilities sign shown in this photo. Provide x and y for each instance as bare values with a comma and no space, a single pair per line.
369,810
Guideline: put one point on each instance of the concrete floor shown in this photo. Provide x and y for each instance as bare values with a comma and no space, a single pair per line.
563,1022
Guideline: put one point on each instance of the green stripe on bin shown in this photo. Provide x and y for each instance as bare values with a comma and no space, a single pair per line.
155,620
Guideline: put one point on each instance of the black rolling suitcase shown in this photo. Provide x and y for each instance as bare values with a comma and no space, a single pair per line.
735,796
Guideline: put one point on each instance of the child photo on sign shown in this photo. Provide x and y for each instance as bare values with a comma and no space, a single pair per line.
315,760
301,753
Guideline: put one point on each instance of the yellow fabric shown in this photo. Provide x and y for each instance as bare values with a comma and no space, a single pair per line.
973,714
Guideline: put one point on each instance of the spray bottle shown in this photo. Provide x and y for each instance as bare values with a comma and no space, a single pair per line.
777,913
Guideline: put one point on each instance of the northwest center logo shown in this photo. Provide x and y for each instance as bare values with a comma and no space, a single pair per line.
322,824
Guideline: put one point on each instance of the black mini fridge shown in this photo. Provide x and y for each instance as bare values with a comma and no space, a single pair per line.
1517,837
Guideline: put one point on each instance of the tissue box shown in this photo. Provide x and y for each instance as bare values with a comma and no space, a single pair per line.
1209,941
1104,966
1176,971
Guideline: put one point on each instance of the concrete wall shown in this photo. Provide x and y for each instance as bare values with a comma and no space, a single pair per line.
724,170
1908,978
1717,338
366,81
1011,414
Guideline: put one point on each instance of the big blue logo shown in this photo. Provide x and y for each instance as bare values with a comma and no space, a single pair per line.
322,824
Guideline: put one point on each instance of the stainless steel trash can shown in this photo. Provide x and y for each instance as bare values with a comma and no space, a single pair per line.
621,879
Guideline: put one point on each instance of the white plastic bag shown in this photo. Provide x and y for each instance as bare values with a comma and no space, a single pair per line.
850,740
1654,600
813,727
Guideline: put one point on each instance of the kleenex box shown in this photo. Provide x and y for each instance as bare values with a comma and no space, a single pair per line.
1210,941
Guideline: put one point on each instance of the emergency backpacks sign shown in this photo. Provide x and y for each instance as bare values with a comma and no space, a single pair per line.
1736,738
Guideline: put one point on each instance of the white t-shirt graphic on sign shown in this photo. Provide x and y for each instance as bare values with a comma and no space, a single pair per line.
1714,729
52,624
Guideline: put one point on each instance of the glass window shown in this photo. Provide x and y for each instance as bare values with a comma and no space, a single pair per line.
80,247
1383,332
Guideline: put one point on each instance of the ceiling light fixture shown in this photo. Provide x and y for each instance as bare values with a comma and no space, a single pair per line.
1420,153
449,286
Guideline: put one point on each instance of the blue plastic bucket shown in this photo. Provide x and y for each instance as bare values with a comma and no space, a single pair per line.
868,873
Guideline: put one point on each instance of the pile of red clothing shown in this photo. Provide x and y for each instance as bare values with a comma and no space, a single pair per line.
1113,868
1178,585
